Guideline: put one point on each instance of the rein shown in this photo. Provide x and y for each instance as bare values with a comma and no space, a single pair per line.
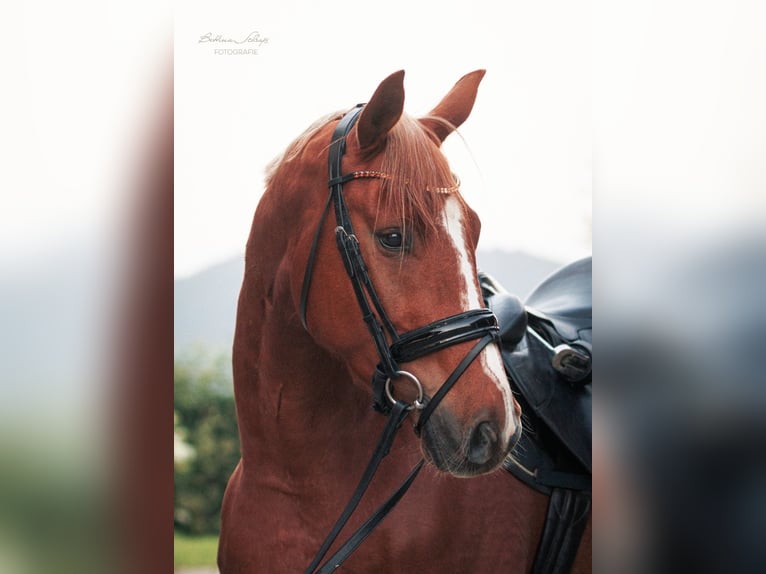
478,324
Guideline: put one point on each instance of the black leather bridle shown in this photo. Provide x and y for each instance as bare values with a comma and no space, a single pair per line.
470,325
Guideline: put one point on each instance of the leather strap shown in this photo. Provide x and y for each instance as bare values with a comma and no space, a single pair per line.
425,414
366,529
338,141
310,264
565,523
444,333
396,418
348,246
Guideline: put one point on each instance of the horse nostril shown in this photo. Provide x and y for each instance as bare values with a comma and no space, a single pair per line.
482,443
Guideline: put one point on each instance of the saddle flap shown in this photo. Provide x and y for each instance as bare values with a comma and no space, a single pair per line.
565,408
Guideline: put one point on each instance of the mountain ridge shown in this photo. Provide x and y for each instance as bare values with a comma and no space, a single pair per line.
205,303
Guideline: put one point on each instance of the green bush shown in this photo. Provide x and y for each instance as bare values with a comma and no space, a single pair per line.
206,422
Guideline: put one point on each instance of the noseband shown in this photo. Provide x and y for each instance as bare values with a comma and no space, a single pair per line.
467,326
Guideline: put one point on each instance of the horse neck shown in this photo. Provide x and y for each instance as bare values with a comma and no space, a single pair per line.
293,398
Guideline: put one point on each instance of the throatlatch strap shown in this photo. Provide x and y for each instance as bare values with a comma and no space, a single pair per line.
310,264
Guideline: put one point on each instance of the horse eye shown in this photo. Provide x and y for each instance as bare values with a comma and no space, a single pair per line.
392,239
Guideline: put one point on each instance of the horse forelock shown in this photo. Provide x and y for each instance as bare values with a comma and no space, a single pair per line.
416,168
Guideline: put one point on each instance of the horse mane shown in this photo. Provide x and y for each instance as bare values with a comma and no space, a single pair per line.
297,146
413,163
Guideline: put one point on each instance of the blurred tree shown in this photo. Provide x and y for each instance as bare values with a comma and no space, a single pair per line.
204,404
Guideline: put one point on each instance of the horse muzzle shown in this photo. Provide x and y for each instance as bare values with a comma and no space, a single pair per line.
479,449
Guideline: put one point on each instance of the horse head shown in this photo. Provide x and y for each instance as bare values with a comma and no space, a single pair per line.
415,238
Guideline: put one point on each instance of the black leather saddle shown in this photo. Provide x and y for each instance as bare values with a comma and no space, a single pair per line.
547,347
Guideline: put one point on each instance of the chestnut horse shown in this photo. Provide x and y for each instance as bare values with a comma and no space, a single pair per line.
303,357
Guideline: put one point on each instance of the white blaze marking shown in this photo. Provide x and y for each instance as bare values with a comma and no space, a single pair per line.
471,299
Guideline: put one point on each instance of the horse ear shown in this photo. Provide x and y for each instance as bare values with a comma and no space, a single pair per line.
381,113
456,106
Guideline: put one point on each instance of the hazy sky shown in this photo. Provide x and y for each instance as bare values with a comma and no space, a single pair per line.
655,107
525,156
